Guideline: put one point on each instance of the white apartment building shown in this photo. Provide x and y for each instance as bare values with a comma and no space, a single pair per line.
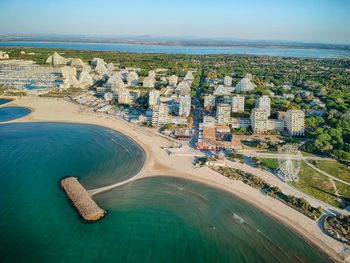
245,84
223,114
264,102
124,96
108,96
258,120
133,78
295,122
275,125
227,81
160,115
237,103
209,101
238,123
148,82
189,76
152,74
185,105
173,80
153,98
208,121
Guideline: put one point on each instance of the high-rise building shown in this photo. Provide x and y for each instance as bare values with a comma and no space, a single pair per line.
245,84
208,121
209,101
148,82
223,113
153,98
295,122
173,80
124,96
264,102
258,120
189,76
237,103
160,115
227,81
185,105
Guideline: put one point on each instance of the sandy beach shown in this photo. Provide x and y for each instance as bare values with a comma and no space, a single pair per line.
159,163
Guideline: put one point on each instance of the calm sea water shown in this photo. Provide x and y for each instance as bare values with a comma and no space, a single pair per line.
11,113
151,220
288,52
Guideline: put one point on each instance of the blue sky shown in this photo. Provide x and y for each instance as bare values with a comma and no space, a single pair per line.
297,20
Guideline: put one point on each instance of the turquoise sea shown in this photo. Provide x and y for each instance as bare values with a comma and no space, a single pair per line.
159,219
241,50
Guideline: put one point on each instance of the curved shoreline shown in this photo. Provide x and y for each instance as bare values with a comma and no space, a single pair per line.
162,166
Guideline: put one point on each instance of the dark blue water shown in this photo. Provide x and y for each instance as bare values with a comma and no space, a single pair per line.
152,220
12,113
4,101
287,52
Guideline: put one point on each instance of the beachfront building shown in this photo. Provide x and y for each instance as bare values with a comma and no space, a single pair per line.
153,98
245,84
227,81
185,105
237,103
160,115
223,114
264,102
295,122
258,120
124,96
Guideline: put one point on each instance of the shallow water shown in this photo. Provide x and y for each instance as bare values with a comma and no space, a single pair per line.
151,220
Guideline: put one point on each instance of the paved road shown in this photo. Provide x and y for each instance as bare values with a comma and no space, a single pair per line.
198,109
284,156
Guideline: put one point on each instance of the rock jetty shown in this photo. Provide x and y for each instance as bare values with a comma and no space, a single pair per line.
80,198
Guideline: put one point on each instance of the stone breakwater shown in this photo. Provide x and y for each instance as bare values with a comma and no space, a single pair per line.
81,200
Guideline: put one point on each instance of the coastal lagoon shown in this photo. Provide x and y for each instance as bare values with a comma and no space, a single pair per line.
4,101
193,50
12,113
159,219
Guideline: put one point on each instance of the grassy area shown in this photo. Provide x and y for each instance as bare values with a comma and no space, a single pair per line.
344,192
248,145
271,164
292,139
316,185
335,169
308,154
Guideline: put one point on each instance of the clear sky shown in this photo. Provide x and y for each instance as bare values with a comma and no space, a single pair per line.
297,20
